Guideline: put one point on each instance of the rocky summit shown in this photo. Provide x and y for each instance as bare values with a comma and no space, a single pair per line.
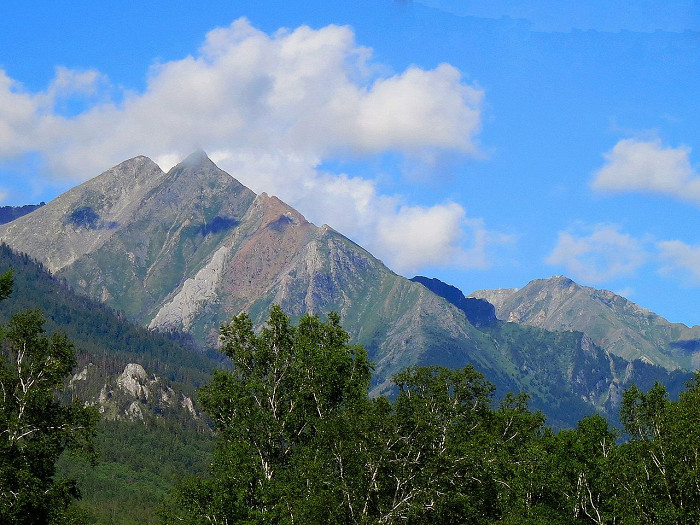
612,322
188,249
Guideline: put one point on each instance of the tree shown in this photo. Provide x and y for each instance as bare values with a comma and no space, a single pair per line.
438,468
35,428
277,413
299,440
5,284
660,464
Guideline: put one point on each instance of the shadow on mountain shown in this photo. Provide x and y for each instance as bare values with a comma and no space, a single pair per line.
280,224
10,213
218,225
688,345
86,217
479,312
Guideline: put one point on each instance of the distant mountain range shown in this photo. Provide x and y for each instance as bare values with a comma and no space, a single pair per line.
10,213
187,249
611,321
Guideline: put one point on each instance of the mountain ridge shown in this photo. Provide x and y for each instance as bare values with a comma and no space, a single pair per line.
612,321
190,248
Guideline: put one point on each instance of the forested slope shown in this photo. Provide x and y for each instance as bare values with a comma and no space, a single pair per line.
139,459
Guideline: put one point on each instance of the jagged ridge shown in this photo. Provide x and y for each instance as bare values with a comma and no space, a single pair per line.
611,321
190,248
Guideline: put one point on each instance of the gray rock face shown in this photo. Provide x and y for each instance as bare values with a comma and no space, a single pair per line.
85,218
190,248
133,395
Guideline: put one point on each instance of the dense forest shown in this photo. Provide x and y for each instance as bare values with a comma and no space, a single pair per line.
99,334
129,478
299,441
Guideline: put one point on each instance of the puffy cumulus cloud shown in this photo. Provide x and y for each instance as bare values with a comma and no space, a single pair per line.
417,235
440,235
303,92
420,109
637,165
598,255
19,115
31,122
680,259
270,109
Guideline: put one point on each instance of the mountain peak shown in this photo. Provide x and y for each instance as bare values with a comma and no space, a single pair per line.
197,159
610,320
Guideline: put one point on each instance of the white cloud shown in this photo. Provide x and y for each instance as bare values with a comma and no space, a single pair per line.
648,166
309,92
3,195
680,259
270,109
18,117
599,256
405,237
415,236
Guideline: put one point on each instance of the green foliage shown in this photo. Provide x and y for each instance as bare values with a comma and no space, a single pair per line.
101,336
289,389
6,283
299,441
109,342
138,466
661,476
35,428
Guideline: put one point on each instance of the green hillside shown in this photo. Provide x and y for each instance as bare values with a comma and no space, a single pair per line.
140,461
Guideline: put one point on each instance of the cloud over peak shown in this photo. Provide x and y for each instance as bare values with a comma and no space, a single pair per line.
597,254
270,109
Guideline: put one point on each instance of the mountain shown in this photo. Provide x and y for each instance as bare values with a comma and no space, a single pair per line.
112,354
553,363
479,312
611,321
187,249
10,213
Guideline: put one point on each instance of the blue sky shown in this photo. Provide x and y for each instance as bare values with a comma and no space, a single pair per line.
486,144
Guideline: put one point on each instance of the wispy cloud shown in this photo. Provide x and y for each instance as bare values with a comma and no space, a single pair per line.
680,260
602,253
649,166
270,109
598,254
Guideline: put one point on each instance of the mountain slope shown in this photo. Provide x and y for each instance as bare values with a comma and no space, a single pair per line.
610,320
190,248
553,364
105,344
